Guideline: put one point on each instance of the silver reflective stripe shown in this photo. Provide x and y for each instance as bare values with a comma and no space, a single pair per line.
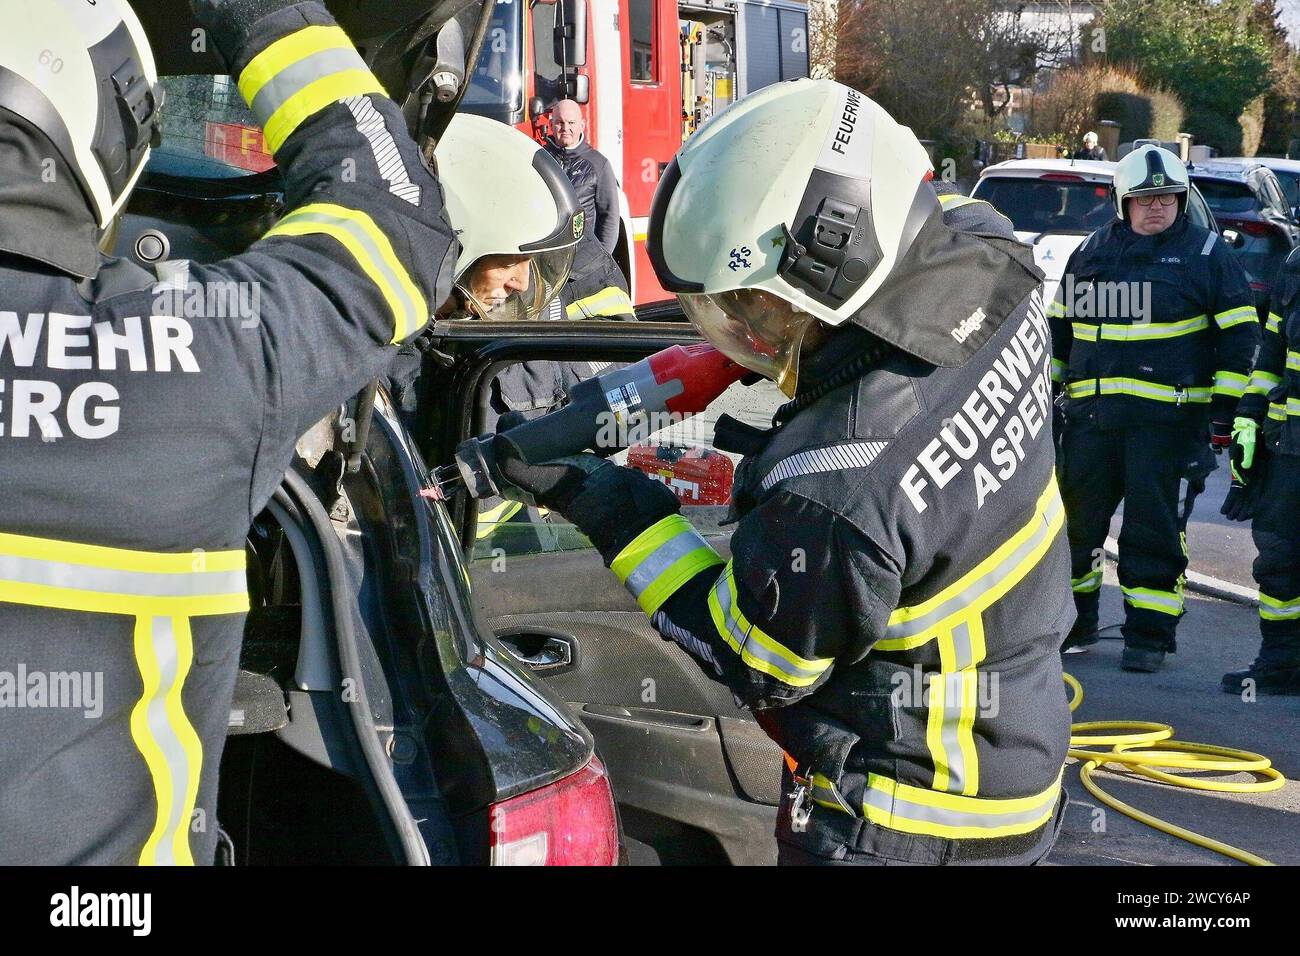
1089,582
831,458
598,367
394,285
897,806
1209,244
661,559
964,657
292,80
747,648
1146,596
166,656
84,577
1009,565
371,125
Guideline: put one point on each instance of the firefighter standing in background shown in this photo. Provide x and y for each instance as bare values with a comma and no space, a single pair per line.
900,549
1266,485
138,445
1153,335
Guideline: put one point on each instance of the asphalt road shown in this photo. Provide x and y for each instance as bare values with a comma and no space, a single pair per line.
1213,638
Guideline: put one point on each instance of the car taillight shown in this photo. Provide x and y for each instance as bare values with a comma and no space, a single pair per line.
1251,227
567,823
1062,178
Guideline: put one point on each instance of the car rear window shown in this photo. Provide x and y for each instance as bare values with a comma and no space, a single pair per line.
1290,183
1046,205
208,131
1225,196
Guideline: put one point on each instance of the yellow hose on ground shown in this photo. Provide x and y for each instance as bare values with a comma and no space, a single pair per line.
1129,740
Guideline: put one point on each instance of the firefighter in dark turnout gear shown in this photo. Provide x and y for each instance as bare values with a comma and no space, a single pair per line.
1153,335
1266,469
144,428
898,584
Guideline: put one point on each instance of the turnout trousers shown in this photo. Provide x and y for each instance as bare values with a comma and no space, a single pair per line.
1276,531
1147,468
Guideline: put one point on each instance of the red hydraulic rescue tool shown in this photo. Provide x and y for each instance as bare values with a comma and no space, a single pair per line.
682,379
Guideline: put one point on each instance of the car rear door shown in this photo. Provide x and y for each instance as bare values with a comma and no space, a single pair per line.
695,777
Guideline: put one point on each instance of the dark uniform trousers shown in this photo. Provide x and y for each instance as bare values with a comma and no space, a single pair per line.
1146,467
145,443
1276,532
1152,338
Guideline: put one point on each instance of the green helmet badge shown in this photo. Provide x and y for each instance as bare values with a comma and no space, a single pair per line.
578,222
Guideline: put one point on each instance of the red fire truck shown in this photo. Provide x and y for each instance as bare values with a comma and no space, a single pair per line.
647,73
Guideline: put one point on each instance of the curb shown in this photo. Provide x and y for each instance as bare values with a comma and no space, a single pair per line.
1199,583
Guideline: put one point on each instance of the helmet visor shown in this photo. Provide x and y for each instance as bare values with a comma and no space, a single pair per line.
754,328
547,273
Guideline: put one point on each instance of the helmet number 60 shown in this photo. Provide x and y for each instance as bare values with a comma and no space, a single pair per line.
53,62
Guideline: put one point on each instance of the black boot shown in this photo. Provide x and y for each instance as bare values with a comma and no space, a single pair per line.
1082,636
1146,660
1271,676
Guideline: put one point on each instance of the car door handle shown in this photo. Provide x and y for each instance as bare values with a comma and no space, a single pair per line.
543,651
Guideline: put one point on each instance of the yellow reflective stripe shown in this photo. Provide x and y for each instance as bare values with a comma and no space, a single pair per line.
1165,602
1057,310
1140,331
1293,406
358,233
910,809
1292,361
1238,316
970,784
953,200
303,96
1274,323
164,651
77,577
756,648
1261,382
826,794
488,520
952,702
1277,412
661,559
983,585
121,559
1278,609
1059,369
1230,383
608,301
1087,583
1137,388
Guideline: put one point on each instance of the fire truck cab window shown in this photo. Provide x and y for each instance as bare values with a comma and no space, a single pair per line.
645,65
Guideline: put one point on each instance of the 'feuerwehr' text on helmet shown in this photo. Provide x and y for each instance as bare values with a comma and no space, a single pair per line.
1149,171
82,73
507,197
795,204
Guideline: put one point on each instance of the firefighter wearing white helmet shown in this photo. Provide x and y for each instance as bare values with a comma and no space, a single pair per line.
141,440
516,215
1154,334
900,542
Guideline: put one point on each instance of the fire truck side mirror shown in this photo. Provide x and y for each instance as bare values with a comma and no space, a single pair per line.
571,35
577,86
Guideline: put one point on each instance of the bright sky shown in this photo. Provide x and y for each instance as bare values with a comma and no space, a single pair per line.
1291,17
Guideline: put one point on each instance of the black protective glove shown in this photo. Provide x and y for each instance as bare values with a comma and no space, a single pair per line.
609,504
1243,494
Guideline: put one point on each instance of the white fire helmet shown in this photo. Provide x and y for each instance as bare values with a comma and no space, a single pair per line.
83,74
794,204
1149,170
506,196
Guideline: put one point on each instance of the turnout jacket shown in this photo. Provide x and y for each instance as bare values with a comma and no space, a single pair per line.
1273,394
898,587
1153,329
146,420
